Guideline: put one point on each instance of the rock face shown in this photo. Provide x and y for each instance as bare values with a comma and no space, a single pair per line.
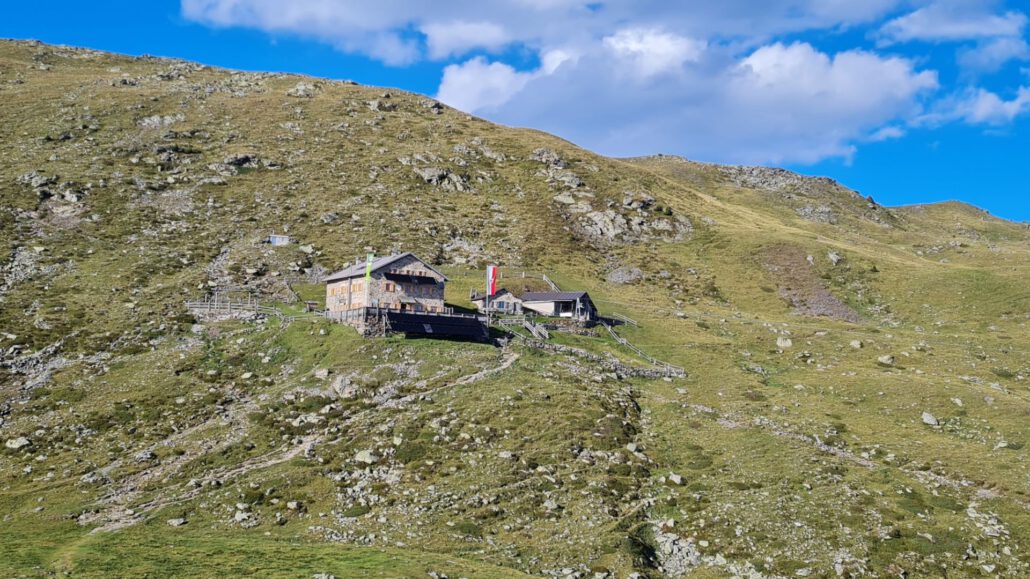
611,227
775,179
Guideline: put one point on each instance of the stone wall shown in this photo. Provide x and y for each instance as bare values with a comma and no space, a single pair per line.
433,298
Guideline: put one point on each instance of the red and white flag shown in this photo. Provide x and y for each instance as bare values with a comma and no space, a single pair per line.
491,280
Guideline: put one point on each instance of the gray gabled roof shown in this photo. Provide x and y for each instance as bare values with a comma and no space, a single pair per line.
553,296
501,292
358,269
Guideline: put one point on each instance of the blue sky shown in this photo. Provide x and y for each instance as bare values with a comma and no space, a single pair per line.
908,101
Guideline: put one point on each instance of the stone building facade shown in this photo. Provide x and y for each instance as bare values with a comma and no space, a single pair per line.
400,282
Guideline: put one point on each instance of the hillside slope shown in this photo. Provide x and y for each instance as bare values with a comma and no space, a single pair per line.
856,400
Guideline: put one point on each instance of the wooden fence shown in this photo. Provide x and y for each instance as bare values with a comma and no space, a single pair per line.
228,307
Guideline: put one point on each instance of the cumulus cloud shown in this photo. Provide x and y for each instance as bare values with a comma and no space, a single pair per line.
981,107
954,20
990,56
458,37
781,103
481,86
439,29
652,51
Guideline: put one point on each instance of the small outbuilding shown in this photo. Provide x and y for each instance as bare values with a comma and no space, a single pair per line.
278,240
575,305
503,302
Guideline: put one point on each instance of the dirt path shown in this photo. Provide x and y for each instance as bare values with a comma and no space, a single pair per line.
507,360
115,512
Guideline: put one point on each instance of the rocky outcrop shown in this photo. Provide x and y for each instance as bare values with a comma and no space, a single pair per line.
611,227
444,179
776,179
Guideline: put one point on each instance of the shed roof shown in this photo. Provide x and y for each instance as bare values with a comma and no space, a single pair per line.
358,269
553,296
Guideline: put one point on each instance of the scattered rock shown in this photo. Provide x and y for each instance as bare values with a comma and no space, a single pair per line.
548,157
783,342
624,275
302,90
158,121
434,107
886,360
18,443
366,457
930,419
443,178
380,105
176,522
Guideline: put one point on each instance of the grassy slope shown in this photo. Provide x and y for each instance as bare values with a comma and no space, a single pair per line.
943,290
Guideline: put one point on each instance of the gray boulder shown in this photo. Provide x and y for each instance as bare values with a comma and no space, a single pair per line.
624,275
18,443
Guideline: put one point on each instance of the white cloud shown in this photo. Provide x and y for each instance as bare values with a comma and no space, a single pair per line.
446,39
651,51
990,56
885,134
953,21
781,103
415,28
481,86
983,107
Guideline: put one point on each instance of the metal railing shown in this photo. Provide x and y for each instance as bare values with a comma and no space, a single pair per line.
378,311
538,330
643,354
624,319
